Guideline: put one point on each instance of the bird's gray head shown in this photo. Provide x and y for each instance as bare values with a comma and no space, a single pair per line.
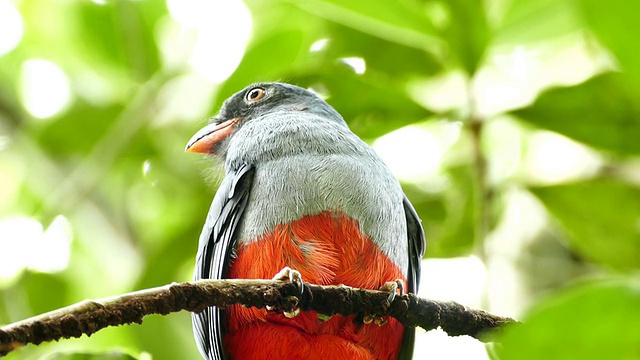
260,103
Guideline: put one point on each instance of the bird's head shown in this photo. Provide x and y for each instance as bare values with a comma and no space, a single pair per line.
261,102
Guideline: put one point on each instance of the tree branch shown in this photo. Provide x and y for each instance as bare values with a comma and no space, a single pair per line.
89,316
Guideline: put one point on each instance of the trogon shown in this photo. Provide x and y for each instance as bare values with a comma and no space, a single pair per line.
301,191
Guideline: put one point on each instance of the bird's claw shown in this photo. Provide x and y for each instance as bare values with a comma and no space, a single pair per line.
291,314
378,320
368,319
381,320
292,276
393,288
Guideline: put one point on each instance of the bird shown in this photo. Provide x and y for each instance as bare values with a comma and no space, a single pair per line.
301,191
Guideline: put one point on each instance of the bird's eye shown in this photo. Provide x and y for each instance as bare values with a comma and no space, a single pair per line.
254,95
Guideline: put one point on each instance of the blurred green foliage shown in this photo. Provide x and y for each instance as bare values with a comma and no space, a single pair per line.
111,161
597,322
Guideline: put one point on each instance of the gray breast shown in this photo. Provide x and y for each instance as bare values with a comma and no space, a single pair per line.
359,185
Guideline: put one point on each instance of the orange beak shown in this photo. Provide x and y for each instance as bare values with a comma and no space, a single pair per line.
206,138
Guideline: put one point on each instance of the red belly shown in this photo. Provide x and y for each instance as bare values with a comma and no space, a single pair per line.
327,249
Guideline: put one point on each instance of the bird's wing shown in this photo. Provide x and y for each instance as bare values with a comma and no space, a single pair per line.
417,244
215,248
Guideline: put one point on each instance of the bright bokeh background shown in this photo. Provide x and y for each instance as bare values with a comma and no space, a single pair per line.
513,125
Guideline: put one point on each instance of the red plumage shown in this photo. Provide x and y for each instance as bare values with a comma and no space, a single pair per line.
341,255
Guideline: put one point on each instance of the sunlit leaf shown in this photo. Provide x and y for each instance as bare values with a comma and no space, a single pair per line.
600,218
594,321
404,21
531,21
616,24
603,112
381,56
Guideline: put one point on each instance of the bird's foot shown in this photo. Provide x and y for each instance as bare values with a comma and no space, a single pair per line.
292,276
393,288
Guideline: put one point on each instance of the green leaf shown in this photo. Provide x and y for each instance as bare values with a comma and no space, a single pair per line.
616,24
382,57
593,321
603,112
467,32
601,218
531,21
122,32
401,21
